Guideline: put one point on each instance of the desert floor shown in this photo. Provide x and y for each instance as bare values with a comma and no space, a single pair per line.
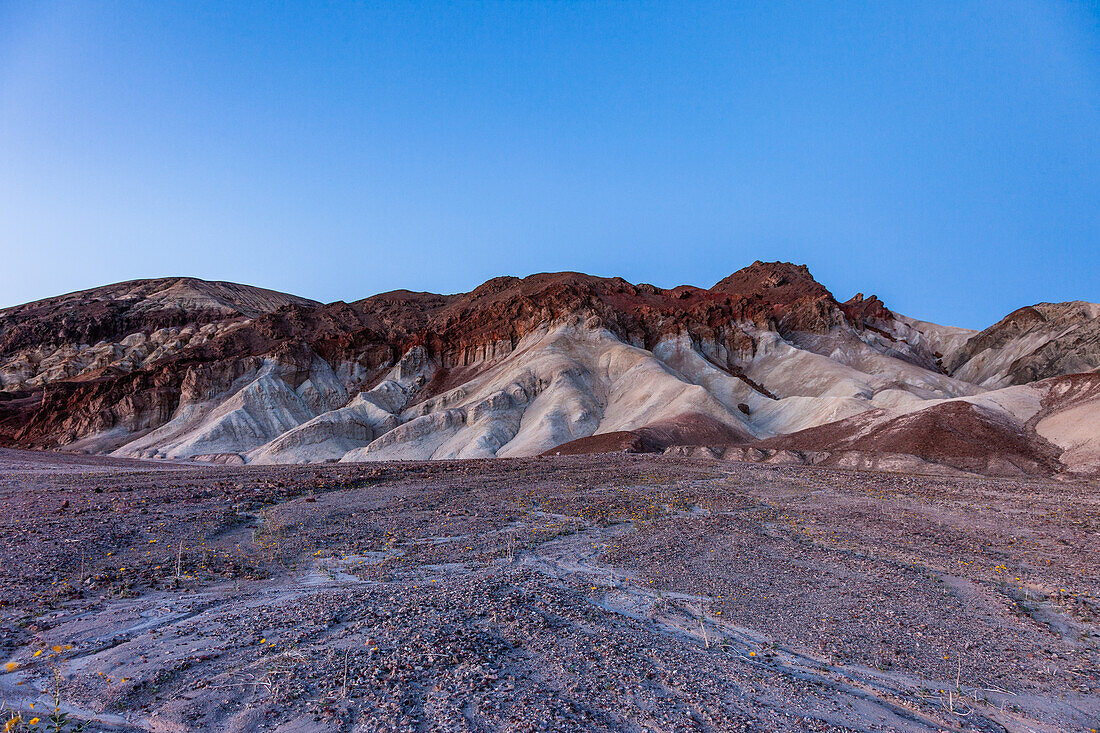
614,592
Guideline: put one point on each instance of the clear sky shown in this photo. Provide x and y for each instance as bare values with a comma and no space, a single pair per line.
945,156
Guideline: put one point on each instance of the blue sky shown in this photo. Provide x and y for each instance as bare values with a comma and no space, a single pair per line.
943,156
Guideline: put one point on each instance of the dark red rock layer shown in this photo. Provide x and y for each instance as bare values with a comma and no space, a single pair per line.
620,441
114,311
956,434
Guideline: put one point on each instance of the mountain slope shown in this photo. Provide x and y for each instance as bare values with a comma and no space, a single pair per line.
1040,428
1033,343
101,313
185,369
123,326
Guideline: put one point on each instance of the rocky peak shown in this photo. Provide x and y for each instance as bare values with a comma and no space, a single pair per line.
863,310
778,281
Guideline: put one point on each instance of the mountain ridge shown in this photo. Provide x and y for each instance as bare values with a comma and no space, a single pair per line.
185,368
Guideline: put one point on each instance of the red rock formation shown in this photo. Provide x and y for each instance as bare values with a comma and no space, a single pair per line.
127,356
461,332
956,434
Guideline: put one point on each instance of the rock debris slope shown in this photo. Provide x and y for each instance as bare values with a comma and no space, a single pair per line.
1032,343
767,359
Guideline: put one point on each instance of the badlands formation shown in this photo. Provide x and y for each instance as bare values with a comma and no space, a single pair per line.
766,366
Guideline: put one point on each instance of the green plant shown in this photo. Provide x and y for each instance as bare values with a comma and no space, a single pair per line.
57,721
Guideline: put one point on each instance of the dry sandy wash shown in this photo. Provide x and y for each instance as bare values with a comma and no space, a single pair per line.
618,592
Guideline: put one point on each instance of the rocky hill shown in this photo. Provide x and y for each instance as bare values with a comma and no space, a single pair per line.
185,369
1032,343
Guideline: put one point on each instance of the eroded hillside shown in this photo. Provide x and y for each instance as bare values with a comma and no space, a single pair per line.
184,369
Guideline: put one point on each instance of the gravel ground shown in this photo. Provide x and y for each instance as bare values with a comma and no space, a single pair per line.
615,592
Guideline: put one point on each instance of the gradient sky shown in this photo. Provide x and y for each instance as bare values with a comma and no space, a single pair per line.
943,156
